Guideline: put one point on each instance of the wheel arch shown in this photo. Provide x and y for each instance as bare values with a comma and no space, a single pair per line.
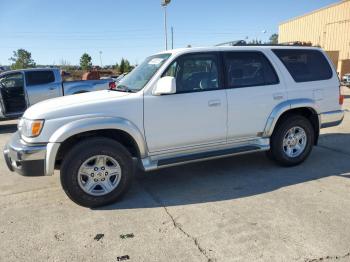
305,107
119,129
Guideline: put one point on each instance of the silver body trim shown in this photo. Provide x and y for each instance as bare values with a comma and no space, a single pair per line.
21,151
331,118
284,107
101,123
151,162
50,158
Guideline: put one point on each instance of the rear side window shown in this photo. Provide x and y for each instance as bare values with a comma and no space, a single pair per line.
244,69
39,77
305,65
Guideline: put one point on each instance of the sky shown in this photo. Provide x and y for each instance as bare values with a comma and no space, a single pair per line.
57,31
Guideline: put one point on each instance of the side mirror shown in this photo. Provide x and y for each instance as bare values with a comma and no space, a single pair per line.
165,86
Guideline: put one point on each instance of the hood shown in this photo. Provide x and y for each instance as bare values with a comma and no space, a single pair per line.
85,103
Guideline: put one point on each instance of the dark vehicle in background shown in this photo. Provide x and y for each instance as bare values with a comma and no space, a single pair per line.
20,89
346,80
4,68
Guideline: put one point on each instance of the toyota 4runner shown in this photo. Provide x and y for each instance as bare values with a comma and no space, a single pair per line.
176,107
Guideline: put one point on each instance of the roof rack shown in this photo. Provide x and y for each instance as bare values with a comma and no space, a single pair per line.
244,43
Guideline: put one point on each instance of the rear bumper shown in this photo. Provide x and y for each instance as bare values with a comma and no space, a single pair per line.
331,118
25,159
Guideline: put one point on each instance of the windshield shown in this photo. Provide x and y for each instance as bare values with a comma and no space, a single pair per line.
139,77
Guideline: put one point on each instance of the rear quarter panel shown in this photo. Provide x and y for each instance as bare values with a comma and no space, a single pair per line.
325,93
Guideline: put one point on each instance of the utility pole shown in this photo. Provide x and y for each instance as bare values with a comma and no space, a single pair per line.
172,37
101,58
164,4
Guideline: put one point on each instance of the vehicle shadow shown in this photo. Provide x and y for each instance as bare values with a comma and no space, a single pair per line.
234,177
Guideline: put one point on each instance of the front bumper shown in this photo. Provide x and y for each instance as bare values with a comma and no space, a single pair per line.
332,118
25,159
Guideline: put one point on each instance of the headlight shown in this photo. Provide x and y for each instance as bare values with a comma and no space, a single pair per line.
30,128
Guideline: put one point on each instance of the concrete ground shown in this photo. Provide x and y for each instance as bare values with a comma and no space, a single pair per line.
242,208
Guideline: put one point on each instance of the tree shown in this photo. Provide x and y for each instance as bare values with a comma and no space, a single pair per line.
122,66
22,59
85,61
274,39
127,65
255,42
116,67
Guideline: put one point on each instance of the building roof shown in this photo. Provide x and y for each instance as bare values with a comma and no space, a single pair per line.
315,11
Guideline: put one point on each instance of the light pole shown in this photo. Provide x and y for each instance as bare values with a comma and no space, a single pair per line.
101,58
172,37
164,4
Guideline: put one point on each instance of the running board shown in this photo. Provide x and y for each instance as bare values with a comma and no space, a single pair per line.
149,165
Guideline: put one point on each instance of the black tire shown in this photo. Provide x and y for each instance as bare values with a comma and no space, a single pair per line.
83,151
276,151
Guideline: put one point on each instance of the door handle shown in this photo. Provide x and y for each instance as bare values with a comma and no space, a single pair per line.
213,103
52,88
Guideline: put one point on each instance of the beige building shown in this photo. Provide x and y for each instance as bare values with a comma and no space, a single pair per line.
328,27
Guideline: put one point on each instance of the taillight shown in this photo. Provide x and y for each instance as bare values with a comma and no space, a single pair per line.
112,85
341,96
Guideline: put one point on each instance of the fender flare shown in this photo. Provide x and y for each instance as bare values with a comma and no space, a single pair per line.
91,124
284,107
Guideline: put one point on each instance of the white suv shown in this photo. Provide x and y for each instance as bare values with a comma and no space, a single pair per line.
177,107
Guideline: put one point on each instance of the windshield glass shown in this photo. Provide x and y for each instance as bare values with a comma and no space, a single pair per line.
139,77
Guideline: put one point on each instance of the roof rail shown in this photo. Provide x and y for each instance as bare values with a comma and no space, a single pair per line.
244,43
233,43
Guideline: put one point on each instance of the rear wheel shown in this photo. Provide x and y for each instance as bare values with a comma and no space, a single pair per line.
292,141
96,172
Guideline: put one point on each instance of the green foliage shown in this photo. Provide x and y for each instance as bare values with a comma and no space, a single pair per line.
274,39
116,67
124,66
127,66
255,42
85,61
22,59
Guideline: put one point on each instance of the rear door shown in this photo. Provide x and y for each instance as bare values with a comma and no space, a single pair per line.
253,90
41,85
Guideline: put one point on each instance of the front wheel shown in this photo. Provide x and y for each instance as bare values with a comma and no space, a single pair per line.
292,141
96,172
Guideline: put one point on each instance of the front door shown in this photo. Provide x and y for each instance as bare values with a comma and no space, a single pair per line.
41,85
12,93
196,114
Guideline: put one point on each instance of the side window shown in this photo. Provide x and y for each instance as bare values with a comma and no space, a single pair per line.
198,72
305,65
39,77
244,69
172,70
12,80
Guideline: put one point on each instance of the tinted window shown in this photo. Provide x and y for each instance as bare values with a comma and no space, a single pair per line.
12,80
197,72
39,77
244,69
305,65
